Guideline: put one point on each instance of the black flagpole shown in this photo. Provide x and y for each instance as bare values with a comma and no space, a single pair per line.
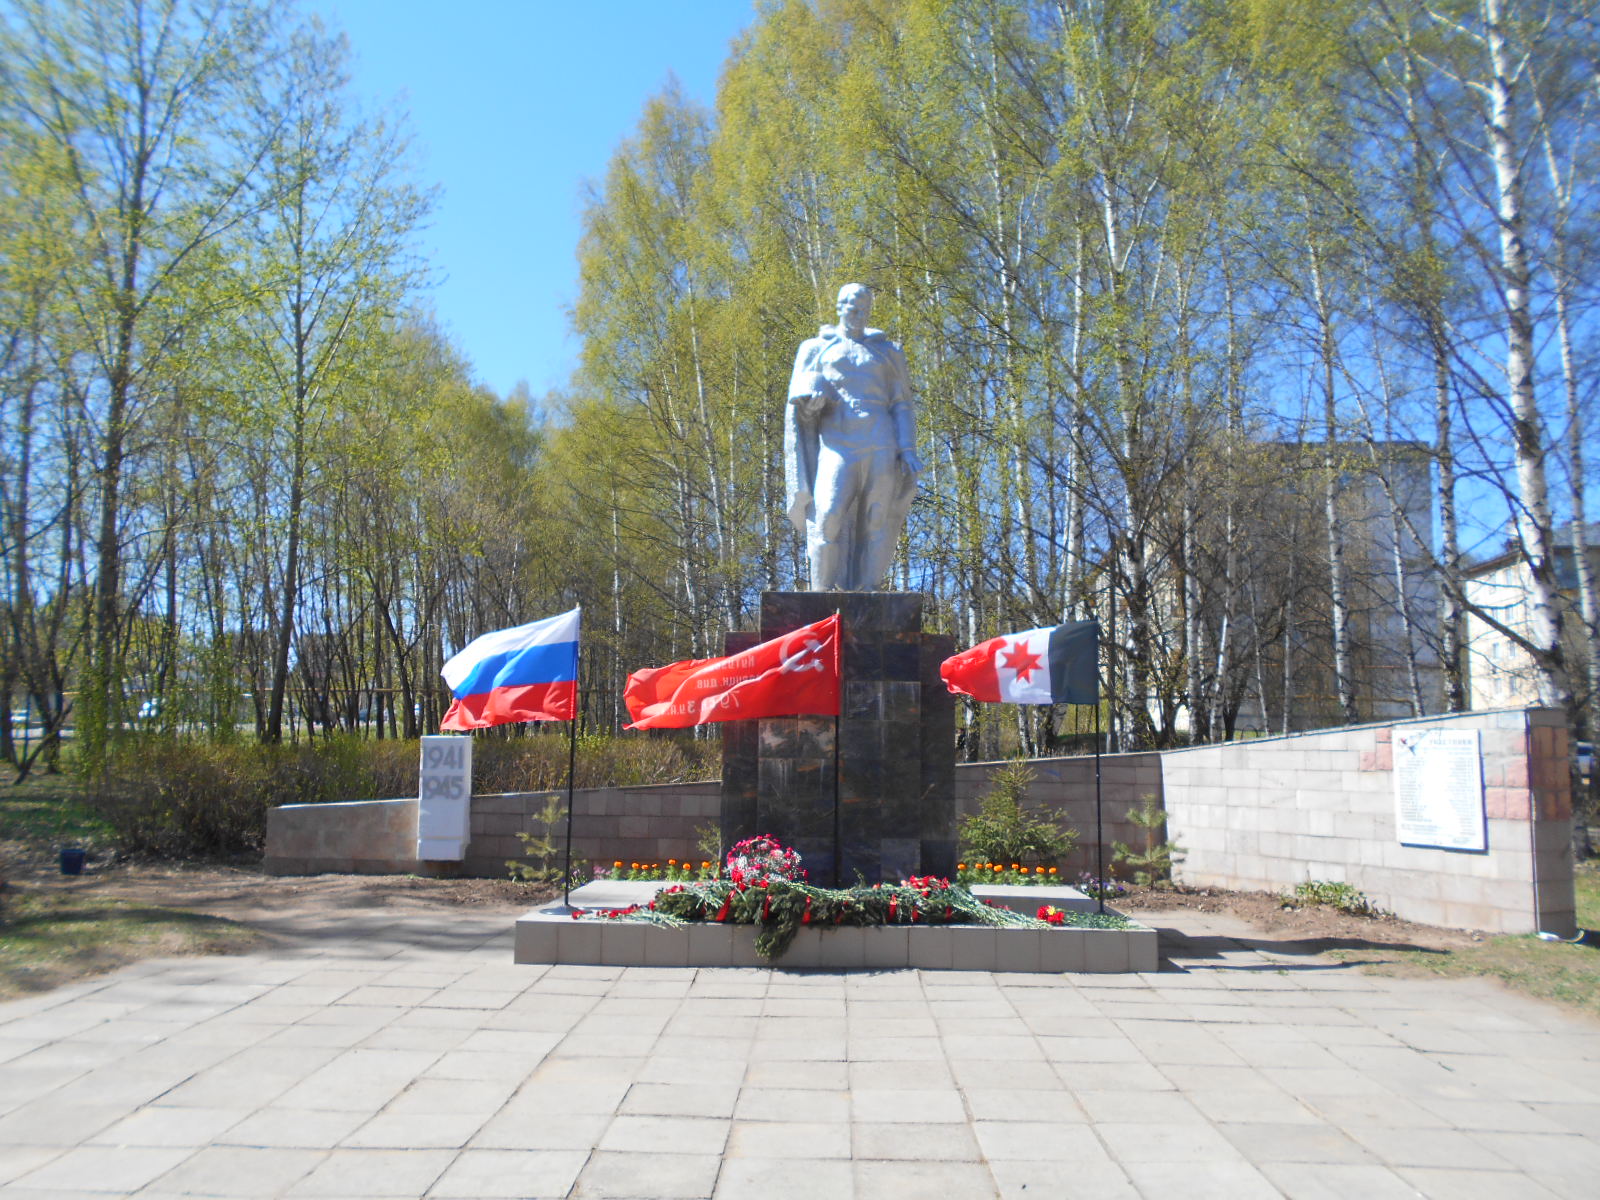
572,770
838,662
836,836
1099,829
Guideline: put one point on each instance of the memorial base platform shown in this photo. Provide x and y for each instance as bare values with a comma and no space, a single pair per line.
550,934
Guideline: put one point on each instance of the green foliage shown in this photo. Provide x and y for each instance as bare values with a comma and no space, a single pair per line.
232,445
1003,832
184,796
672,871
539,763
541,847
708,842
48,811
781,908
1009,874
181,797
1586,885
1342,896
1151,863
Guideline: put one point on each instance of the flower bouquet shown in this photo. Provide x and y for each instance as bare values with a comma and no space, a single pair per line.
766,887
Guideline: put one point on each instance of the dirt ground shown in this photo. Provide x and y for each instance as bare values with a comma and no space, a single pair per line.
243,893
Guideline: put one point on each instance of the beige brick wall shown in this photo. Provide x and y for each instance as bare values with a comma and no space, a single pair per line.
1259,815
1266,814
358,837
634,824
1065,787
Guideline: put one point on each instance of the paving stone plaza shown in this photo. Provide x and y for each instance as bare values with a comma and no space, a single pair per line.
372,1053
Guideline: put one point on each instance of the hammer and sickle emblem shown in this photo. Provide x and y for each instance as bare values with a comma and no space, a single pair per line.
795,661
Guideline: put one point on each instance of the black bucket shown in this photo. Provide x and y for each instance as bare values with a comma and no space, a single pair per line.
72,860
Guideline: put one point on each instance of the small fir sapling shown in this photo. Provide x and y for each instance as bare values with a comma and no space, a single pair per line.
1002,831
1150,866
540,848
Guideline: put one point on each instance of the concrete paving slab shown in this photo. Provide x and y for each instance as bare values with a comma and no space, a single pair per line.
292,1129
1333,1181
116,1169
1225,1073
629,1175
805,1140
373,1173
913,1180
1028,1179
240,1171
489,1174
783,1179
923,1143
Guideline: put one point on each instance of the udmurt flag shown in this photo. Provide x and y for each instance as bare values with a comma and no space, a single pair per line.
793,675
1059,664
529,673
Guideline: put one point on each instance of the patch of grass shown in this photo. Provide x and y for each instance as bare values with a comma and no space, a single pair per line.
1332,895
1567,974
48,938
46,811
1586,883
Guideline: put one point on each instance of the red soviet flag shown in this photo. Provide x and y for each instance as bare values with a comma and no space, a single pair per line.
793,675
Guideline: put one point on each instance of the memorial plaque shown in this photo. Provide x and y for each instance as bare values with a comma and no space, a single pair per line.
1438,789
444,798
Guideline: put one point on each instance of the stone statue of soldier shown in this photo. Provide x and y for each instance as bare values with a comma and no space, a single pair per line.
850,448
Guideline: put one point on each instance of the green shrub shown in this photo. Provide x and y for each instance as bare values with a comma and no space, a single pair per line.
1004,832
1151,864
1326,893
539,763
176,796
172,797
540,849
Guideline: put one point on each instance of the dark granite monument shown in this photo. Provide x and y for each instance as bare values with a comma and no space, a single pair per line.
851,467
895,815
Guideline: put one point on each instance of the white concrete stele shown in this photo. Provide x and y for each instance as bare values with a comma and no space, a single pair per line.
444,798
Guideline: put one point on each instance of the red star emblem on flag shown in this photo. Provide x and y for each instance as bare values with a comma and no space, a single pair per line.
1019,660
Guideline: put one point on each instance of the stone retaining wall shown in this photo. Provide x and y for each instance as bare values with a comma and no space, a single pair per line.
658,822
1266,814
1261,815
357,837
635,824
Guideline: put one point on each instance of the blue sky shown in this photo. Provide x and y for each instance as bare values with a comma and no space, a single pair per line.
514,104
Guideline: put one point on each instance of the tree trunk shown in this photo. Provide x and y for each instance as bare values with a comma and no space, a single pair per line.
1344,682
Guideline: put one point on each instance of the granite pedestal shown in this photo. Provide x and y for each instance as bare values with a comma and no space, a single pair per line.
896,812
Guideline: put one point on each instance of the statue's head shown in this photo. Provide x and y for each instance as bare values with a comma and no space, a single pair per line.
854,306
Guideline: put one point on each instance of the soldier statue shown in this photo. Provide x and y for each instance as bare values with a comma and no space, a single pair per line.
850,448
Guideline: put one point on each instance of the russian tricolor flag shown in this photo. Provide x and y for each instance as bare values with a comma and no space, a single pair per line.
529,673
